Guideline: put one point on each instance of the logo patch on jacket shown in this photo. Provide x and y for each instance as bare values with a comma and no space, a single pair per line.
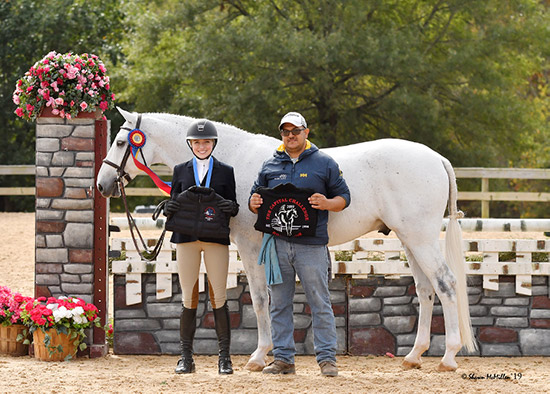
286,211
280,177
209,214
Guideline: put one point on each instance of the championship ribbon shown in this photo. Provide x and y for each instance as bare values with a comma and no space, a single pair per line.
137,139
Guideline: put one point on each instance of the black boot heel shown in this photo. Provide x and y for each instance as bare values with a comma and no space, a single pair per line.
225,367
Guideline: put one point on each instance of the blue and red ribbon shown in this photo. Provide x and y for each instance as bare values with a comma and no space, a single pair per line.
137,140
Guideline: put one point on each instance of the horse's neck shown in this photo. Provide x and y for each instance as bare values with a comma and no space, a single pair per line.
242,150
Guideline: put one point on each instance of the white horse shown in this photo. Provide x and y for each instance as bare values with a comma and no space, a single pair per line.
394,184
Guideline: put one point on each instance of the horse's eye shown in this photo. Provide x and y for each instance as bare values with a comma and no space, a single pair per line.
120,143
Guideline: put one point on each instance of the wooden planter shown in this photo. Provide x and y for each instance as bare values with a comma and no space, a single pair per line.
47,113
57,339
8,340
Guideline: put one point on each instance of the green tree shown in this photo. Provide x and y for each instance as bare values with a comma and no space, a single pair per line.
30,29
451,74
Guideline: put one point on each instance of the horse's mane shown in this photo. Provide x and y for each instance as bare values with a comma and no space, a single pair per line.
173,118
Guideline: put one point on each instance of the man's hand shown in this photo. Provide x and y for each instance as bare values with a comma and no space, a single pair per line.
319,201
256,202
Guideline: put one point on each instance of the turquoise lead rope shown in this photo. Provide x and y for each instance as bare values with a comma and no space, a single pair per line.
268,257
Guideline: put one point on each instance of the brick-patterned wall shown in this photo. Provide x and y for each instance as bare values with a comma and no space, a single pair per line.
64,207
373,316
65,257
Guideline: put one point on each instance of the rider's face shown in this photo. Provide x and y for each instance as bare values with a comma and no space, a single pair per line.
202,148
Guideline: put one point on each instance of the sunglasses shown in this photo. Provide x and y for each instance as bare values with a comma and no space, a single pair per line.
296,131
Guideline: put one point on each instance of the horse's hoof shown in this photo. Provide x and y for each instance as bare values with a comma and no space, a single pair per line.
445,368
254,367
410,365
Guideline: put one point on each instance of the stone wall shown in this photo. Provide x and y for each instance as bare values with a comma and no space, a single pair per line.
373,316
66,209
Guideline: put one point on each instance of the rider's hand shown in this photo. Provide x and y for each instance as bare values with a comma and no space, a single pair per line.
256,202
229,207
171,207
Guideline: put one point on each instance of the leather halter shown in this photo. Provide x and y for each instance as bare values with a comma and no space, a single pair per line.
147,254
121,173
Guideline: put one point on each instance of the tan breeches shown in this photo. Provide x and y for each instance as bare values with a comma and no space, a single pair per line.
216,260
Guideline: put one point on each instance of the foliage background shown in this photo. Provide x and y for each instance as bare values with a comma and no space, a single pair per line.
467,78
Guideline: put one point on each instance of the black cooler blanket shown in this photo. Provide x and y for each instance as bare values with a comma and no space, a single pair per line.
286,211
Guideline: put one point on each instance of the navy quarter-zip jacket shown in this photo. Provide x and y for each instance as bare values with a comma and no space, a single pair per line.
313,169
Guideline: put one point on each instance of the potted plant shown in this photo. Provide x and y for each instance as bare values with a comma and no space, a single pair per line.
13,334
64,85
58,326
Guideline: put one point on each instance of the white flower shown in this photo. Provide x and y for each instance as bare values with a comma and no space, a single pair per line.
61,313
78,315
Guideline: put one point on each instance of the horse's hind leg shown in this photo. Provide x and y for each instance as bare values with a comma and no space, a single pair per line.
425,292
432,263
260,301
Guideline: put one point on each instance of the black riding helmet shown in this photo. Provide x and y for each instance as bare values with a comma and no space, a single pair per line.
202,129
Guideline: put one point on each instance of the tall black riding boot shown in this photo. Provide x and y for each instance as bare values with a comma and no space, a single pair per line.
223,331
188,324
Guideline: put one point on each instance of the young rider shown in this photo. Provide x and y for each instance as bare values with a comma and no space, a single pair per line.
195,175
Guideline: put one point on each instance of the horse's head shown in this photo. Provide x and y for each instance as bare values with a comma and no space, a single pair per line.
119,163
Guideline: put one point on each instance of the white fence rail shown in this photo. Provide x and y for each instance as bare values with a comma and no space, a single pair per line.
485,174
366,256
493,225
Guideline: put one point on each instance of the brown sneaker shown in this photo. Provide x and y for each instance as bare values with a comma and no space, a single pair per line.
329,368
279,367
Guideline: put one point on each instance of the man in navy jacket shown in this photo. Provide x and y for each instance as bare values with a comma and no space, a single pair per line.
300,162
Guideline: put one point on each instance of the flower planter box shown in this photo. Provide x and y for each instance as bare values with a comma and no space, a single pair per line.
47,113
8,340
60,344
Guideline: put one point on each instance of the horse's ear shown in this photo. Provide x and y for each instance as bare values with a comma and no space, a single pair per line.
129,116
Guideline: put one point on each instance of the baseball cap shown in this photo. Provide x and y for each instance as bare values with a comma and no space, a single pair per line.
293,118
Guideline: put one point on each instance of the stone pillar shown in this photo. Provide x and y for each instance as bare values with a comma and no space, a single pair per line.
65,255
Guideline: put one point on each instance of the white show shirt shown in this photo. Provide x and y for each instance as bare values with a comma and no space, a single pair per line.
202,168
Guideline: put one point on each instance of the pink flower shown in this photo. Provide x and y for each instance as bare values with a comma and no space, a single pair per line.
30,107
78,87
104,105
19,112
16,99
55,111
83,105
59,101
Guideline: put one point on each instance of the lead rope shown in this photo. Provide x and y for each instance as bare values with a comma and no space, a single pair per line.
147,254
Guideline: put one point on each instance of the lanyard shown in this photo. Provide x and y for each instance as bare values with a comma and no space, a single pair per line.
208,174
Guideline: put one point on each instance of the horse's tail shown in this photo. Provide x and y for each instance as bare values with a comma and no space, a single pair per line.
455,259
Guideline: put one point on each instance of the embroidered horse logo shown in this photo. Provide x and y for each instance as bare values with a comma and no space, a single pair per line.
284,219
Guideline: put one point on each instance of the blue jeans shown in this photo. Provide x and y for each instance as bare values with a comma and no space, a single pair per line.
310,262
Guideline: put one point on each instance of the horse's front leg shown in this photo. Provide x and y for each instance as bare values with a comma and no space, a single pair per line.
260,301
